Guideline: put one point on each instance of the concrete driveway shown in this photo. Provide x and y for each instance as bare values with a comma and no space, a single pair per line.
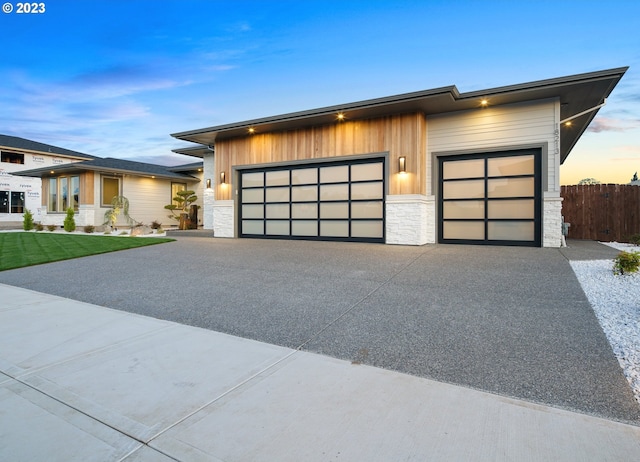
511,321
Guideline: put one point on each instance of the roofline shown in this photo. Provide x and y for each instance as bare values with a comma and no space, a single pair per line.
194,151
43,172
322,111
78,156
607,73
405,97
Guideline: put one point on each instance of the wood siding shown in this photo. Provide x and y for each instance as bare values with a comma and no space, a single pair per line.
86,188
498,127
400,135
602,212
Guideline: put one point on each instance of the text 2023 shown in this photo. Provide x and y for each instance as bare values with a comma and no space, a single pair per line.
30,7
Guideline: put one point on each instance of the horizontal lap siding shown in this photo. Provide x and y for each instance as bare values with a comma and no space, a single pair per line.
147,198
401,135
489,128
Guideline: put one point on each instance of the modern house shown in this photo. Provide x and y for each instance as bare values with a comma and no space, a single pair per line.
88,184
434,166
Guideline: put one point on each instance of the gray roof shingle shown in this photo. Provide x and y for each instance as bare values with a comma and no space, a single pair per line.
109,164
22,143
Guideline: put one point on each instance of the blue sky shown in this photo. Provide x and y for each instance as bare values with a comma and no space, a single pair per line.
115,78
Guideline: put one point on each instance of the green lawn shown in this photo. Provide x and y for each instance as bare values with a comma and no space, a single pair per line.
26,249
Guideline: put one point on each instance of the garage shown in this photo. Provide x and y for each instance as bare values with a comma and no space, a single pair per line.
341,200
490,198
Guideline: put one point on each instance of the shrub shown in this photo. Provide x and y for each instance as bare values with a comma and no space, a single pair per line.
27,222
160,230
155,224
69,221
51,227
626,263
635,239
39,227
89,228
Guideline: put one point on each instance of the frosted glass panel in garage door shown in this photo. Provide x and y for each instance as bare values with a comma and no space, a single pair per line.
337,200
491,198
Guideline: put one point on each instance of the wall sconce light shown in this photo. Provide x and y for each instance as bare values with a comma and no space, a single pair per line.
402,164
223,178
208,183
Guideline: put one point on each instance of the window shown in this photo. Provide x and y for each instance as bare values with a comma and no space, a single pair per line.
53,195
75,192
63,184
175,187
11,157
11,202
110,189
4,201
17,202
64,193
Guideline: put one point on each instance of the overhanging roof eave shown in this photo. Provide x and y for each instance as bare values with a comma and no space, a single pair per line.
575,92
319,112
57,170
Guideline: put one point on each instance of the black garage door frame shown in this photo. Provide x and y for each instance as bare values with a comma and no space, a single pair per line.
537,197
290,220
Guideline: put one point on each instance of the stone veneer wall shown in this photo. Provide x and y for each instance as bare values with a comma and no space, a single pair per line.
552,222
410,219
207,210
223,218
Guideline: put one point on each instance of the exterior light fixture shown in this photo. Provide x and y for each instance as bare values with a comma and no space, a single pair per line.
223,178
484,103
208,183
252,130
340,116
567,124
402,164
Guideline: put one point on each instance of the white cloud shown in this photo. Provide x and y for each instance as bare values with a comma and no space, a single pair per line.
610,124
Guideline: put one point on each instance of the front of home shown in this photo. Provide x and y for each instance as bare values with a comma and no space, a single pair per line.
88,184
147,187
428,167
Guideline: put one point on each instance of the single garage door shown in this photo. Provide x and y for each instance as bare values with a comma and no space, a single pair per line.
490,198
325,201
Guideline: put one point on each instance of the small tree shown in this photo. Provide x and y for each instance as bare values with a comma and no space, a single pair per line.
589,181
183,200
635,177
69,221
27,222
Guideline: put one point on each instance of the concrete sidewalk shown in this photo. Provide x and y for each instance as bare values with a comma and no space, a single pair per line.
87,383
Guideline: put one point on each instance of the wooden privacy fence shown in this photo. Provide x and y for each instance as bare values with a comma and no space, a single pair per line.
602,212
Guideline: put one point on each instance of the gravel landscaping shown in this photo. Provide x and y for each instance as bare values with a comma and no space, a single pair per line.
616,302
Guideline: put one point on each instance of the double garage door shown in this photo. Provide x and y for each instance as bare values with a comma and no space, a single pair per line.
490,198
341,200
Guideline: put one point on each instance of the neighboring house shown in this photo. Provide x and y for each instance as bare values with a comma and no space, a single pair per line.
18,193
434,166
95,182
